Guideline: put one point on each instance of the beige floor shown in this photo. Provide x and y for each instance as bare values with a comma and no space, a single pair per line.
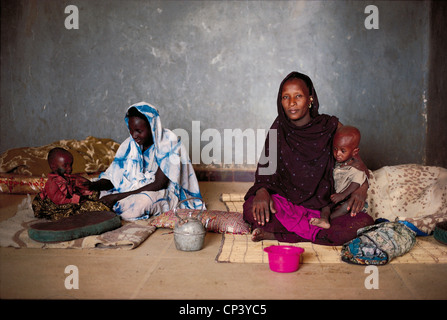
156,270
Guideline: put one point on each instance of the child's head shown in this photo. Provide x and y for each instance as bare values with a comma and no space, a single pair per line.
139,128
346,143
60,161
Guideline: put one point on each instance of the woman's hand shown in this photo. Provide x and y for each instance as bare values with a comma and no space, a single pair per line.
262,206
357,199
100,185
161,182
111,199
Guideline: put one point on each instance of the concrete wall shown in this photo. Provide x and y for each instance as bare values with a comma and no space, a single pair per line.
217,62
436,152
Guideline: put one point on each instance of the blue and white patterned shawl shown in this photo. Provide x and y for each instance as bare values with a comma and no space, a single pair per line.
131,169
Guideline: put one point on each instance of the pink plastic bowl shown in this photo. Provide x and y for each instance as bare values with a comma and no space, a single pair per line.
284,258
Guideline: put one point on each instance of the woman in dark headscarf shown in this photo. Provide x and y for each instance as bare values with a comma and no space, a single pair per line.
293,203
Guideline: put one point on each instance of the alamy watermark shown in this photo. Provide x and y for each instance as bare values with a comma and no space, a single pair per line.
234,147
72,280
72,20
372,20
372,281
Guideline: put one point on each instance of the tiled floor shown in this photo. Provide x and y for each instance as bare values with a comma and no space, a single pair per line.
156,270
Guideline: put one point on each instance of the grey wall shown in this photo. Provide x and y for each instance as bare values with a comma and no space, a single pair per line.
217,62
436,151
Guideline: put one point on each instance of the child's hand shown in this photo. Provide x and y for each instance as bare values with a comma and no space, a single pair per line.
336,197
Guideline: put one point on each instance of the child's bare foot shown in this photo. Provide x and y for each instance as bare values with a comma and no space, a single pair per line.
320,222
258,235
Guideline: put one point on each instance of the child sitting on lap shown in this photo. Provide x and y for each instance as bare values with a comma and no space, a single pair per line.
346,177
65,194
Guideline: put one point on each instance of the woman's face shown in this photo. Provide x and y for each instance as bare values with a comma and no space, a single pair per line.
295,100
140,132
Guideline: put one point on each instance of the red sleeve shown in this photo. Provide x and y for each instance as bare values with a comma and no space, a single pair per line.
79,187
57,191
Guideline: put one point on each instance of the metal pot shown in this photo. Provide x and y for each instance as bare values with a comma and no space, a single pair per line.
189,233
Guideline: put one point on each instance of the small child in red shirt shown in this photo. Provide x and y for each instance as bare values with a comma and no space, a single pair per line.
65,194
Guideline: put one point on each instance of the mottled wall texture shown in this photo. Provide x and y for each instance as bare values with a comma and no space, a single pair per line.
219,64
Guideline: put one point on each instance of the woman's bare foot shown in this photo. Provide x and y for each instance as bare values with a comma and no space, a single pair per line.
320,222
258,235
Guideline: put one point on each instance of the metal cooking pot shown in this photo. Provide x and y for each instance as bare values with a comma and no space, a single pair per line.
189,232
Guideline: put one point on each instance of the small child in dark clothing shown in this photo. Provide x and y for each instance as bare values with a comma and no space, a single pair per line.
65,194
347,178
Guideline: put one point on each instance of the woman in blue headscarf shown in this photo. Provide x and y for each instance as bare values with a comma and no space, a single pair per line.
151,171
